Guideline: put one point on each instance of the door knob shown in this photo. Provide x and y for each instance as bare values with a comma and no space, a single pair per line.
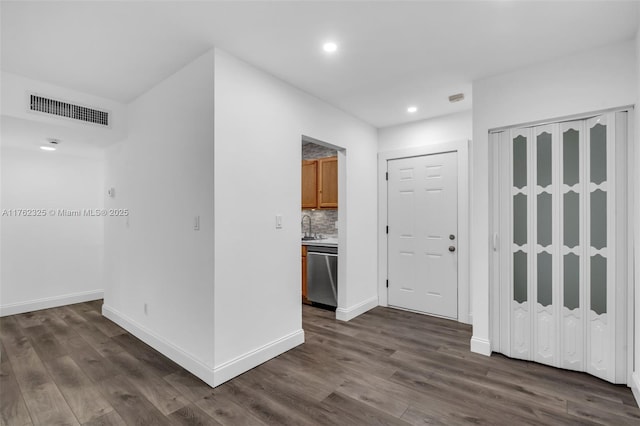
452,248
452,237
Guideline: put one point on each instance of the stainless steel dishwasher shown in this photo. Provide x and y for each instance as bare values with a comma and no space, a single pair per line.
322,275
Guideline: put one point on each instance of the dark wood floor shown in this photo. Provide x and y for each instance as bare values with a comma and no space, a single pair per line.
71,366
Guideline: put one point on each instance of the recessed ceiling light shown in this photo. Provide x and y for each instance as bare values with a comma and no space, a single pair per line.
47,148
412,109
330,47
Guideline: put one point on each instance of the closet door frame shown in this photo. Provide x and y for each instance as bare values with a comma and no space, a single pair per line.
500,237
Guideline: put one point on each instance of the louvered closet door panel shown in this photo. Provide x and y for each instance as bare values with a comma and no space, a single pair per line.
563,269
600,248
543,210
521,266
572,238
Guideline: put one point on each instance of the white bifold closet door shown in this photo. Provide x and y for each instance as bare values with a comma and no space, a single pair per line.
561,262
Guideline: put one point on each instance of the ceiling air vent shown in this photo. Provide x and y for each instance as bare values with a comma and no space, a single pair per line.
456,98
65,109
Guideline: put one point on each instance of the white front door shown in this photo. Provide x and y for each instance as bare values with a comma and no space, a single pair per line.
423,225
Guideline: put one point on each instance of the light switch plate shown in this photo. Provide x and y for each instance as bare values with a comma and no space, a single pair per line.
278,221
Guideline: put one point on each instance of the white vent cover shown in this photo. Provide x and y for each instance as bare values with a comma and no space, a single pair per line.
65,109
456,98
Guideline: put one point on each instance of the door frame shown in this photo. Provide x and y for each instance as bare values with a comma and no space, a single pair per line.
462,148
341,313
632,210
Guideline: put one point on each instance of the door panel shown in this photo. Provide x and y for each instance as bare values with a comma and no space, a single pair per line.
422,212
522,300
561,208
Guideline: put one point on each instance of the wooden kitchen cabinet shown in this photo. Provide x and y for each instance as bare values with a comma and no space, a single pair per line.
304,276
320,183
328,183
309,184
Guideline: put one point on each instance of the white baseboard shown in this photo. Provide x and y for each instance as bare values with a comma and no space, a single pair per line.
348,314
480,346
635,386
50,302
168,349
246,362
212,376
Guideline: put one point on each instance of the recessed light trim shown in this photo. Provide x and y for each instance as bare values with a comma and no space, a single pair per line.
412,109
47,148
330,47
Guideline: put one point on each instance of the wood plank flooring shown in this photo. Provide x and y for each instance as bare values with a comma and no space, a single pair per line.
70,366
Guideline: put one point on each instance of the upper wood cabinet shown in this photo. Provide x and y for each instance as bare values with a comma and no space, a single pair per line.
309,184
320,183
328,183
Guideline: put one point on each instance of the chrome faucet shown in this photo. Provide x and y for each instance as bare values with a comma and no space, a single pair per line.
306,234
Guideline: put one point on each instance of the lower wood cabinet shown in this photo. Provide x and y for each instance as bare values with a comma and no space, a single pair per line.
304,275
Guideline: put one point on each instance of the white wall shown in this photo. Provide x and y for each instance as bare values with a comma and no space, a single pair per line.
49,260
635,385
259,124
446,128
163,173
590,81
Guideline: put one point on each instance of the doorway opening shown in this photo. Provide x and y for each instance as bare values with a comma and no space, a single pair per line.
424,232
322,222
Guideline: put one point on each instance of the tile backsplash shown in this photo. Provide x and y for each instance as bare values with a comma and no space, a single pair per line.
322,221
311,151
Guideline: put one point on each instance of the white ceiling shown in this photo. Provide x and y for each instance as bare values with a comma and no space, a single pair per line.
391,54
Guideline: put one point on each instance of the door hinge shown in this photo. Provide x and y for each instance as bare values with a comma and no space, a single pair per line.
386,176
387,283
387,229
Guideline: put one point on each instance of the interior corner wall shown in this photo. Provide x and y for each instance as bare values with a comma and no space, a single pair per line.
446,128
159,268
49,258
260,121
590,81
635,379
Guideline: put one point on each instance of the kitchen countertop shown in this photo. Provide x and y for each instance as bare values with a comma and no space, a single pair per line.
325,242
